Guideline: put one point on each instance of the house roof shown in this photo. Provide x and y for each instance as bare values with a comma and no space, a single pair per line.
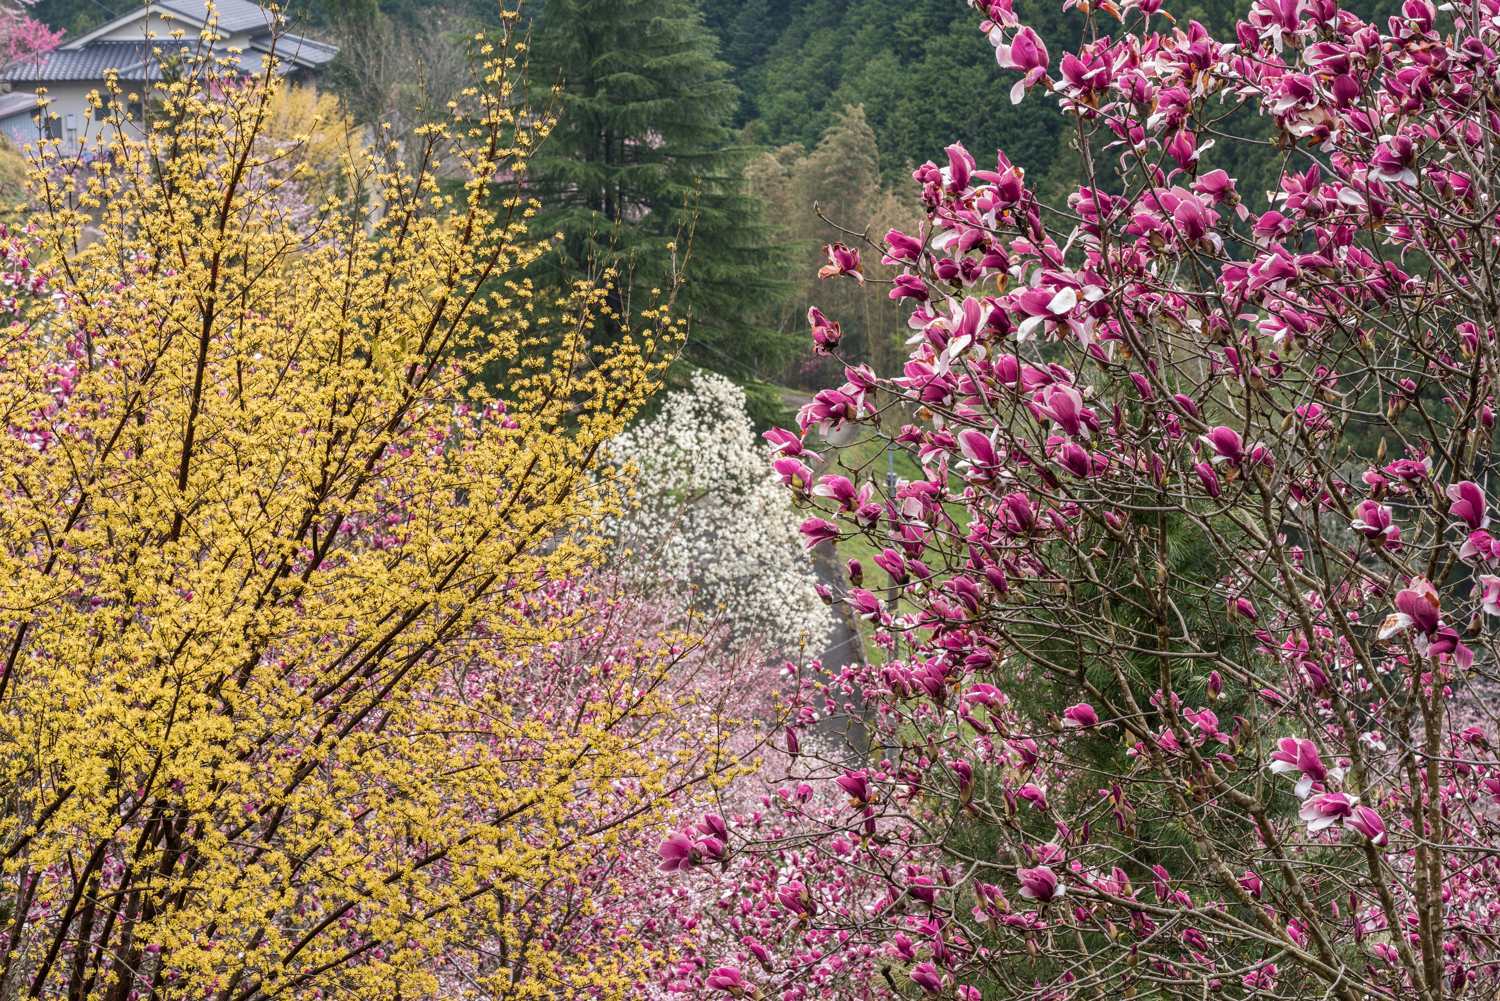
231,17
141,62
16,103
298,48
133,60
87,58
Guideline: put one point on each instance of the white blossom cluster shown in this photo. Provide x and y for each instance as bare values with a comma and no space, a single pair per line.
708,510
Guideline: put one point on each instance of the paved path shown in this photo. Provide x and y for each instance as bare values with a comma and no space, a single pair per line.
844,647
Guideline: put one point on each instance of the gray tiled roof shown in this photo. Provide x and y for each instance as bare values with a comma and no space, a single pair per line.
297,47
84,60
234,15
134,61
16,103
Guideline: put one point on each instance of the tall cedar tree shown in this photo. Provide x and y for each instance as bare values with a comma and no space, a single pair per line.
643,156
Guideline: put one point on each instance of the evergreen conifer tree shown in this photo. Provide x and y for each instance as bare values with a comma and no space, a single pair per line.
643,160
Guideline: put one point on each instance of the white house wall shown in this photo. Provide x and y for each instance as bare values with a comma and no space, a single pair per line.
69,101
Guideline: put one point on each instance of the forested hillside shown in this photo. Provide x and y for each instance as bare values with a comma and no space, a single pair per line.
697,136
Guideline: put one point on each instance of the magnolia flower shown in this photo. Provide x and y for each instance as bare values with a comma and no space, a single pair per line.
925,975
1026,53
1033,794
1043,304
1063,405
978,449
1480,547
1468,505
817,531
1417,607
1080,462
842,260
1183,147
794,473
857,786
1209,478
826,333
1040,884
731,981
1489,594
902,249
1367,822
678,853
784,442
1393,161
960,168
1226,445
1080,717
1322,811
795,897
1373,521
1295,756
1262,978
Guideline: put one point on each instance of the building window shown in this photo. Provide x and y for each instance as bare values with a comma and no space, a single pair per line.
50,126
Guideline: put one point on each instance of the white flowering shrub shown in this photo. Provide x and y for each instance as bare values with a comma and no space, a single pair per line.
709,511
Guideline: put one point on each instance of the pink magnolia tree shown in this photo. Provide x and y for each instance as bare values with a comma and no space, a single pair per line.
1188,621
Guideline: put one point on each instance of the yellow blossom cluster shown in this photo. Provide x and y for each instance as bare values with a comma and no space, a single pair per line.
278,479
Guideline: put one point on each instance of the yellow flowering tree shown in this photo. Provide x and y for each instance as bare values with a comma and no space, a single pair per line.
260,519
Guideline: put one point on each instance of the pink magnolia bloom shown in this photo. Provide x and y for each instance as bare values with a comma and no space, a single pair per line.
1044,304
826,333
1033,794
1322,811
1489,594
1226,445
842,260
1080,717
1027,53
1373,521
925,975
1209,478
902,249
857,786
1262,978
784,442
1367,822
1417,607
795,897
1040,884
1183,147
1468,505
794,473
1394,160
678,853
730,981
1295,756
1216,184
978,449
1480,547
817,531
960,168
1063,405
1080,461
